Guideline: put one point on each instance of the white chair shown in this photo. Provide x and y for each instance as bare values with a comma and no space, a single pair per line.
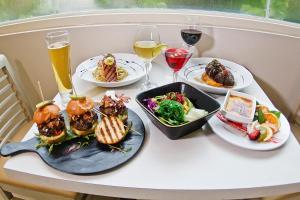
15,115
13,112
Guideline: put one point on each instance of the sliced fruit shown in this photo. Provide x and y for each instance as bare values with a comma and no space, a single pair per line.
274,127
111,130
44,103
273,119
262,136
77,97
187,105
254,135
263,108
109,60
267,133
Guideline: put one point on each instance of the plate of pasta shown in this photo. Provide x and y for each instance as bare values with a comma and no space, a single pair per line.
112,70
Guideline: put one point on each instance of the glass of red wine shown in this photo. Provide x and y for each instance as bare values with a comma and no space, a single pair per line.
191,34
176,58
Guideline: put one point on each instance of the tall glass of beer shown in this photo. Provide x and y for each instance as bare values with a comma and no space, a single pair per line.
59,51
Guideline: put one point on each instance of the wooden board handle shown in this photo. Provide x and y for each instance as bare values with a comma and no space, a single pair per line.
10,149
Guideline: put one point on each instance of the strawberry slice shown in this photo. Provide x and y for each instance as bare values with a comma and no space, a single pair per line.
254,135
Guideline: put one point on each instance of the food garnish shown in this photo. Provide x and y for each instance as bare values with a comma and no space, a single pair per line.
174,108
217,75
108,71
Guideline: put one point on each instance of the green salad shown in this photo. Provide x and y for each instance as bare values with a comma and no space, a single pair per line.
174,108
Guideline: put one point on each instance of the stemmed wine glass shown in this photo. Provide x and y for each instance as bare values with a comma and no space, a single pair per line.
147,46
191,33
177,57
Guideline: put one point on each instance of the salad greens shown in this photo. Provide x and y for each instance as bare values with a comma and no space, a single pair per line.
174,108
171,112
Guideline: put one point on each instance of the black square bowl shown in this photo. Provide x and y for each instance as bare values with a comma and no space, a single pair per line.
199,98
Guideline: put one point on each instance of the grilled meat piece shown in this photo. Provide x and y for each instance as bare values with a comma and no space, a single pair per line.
110,131
216,71
109,68
85,121
52,127
229,79
213,68
111,107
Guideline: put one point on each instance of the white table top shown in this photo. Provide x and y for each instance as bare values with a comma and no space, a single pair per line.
199,165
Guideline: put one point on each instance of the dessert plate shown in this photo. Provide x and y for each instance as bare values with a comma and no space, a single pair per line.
193,71
234,137
130,62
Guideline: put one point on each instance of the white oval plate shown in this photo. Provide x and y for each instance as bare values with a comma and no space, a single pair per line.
196,67
236,139
131,62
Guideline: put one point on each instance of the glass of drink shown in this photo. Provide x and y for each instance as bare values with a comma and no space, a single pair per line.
147,46
176,58
191,34
59,51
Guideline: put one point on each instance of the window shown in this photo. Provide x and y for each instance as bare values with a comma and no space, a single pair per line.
288,10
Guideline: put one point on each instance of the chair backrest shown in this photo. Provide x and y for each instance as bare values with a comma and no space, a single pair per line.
13,111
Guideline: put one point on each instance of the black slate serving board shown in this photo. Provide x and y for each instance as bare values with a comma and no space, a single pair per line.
94,158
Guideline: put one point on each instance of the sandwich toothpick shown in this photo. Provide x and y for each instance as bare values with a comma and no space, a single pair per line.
74,90
41,91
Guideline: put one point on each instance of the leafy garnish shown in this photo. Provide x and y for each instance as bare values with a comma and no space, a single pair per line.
260,117
277,113
121,149
69,136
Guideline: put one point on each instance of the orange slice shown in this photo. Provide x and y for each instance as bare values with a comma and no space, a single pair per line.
272,118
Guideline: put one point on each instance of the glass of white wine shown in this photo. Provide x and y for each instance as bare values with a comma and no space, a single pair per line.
58,44
147,46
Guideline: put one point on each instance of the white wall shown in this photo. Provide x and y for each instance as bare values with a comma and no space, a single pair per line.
273,58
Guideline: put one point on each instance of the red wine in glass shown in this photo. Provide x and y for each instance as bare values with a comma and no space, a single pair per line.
176,59
191,36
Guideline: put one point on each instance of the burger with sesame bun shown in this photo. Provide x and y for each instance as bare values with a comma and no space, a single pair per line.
50,122
83,119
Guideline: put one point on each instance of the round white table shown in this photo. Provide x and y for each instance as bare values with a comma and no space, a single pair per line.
198,166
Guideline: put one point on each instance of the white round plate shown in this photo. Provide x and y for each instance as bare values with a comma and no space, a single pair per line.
132,63
236,139
196,67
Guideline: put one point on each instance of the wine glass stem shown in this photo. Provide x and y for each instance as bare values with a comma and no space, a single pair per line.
147,65
175,76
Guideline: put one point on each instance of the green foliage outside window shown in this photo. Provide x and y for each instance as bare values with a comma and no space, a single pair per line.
279,9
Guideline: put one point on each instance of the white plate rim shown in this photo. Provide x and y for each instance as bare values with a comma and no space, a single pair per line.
219,90
82,67
285,131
